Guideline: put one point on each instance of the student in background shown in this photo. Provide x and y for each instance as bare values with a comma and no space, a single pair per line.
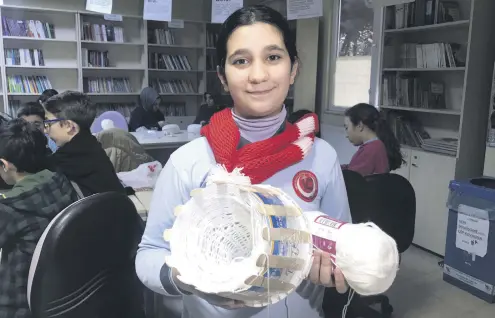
46,94
34,113
298,114
147,114
206,110
379,150
37,196
80,157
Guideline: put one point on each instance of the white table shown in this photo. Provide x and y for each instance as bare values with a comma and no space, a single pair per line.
158,139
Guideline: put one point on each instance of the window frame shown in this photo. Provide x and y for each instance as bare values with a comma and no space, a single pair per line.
375,76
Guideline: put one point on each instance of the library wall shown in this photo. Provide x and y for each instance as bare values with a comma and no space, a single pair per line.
113,60
68,61
180,9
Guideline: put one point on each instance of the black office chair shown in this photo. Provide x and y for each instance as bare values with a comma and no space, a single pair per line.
394,211
360,204
83,265
358,194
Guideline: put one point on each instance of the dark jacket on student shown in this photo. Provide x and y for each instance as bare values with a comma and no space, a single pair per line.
25,212
144,115
205,112
84,161
370,158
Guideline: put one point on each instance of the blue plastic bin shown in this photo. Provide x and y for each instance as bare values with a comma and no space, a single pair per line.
470,245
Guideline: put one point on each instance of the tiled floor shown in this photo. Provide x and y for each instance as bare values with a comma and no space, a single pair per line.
420,292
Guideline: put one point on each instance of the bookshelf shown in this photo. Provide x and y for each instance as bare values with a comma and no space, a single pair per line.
435,75
427,58
109,60
176,65
40,51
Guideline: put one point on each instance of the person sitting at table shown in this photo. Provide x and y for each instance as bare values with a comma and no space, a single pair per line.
207,109
80,156
34,113
123,149
379,150
147,114
37,196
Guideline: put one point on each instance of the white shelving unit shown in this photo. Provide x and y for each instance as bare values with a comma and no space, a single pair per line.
68,66
176,64
59,53
460,112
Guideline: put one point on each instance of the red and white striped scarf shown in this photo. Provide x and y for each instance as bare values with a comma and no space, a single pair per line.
259,160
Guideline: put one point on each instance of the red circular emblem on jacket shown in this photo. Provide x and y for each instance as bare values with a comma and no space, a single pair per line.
305,185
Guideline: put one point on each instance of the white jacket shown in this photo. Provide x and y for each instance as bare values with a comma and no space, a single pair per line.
315,183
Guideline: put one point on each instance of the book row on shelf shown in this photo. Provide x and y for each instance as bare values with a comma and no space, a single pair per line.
94,58
102,33
161,36
432,55
97,85
107,85
422,12
412,91
169,62
37,84
27,84
410,132
24,57
168,109
28,28
211,38
172,86
175,109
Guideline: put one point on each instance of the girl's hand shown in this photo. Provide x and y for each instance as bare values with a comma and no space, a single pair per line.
213,299
324,273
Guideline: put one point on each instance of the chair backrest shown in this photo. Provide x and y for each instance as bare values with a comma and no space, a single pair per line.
358,193
394,207
83,265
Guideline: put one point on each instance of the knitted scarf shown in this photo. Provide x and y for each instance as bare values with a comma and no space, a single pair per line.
259,160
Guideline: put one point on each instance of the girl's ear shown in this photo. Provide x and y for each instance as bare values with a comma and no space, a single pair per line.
360,126
223,80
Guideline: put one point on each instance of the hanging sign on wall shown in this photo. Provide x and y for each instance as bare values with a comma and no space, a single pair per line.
222,9
176,24
157,10
304,9
112,17
386,3
101,6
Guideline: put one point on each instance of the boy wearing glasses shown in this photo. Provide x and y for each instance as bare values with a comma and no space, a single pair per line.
34,113
80,157
36,197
